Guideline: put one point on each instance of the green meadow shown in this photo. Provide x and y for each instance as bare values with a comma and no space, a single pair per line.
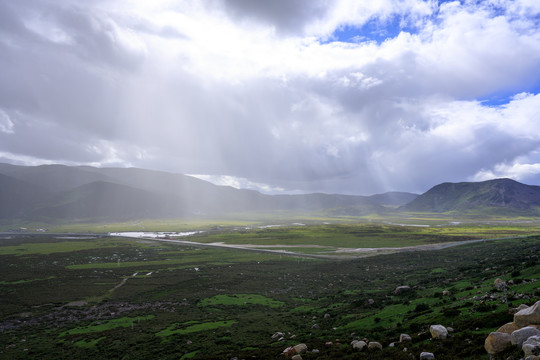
104,297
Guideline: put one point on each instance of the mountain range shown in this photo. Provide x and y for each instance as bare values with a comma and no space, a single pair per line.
84,193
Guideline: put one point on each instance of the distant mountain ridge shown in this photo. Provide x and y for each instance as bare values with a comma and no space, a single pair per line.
88,193
84,193
498,195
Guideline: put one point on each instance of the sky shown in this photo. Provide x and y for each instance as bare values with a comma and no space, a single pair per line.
281,96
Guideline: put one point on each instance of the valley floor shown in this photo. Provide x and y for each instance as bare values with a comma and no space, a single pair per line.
96,296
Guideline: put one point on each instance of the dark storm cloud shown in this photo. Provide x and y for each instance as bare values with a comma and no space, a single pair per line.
286,16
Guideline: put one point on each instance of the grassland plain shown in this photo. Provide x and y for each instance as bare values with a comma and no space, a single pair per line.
166,301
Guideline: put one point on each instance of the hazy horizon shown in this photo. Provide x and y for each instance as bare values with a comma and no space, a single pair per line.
286,96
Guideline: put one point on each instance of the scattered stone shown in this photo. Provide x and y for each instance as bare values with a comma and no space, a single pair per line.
519,336
392,344
327,316
296,357
528,316
278,335
508,328
359,345
446,293
531,346
315,327
499,284
402,289
328,343
300,348
426,356
289,351
315,351
450,329
404,337
497,342
371,301
438,332
373,345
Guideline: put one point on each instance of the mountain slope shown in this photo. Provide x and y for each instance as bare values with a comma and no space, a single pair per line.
83,192
104,200
54,178
491,195
393,198
17,196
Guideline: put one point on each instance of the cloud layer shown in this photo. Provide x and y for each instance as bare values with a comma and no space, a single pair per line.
277,95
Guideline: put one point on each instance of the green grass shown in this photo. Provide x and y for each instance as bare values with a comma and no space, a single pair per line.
240,300
45,248
107,325
212,325
25,281
88,344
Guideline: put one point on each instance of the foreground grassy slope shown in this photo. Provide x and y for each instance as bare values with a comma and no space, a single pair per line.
158,300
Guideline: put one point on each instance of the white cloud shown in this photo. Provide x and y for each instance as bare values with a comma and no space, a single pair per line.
261,92
6,125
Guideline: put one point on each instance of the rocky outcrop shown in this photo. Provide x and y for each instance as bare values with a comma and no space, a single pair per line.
531,346
528,316
521,335
497,342
373,345
508,328
523,332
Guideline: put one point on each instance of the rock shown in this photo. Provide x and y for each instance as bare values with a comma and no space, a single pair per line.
519,336
426,356
499,284
528,316
315,351
497,342
315,327
289,351
392,344
533,357
371,301
359,345
404,337
522,306
446,293
300,348
450,329
296,357
373,345
278,335
327,316
438,332
531,346
508,328
402,289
